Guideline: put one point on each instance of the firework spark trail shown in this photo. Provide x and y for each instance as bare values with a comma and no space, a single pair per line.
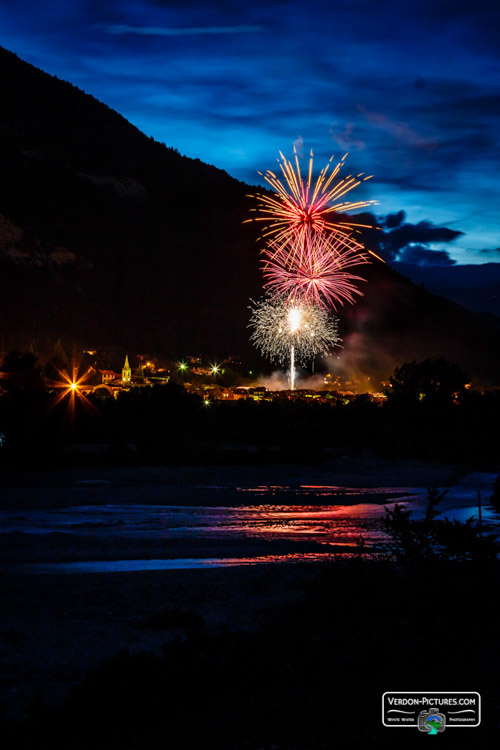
317,274
280,325
300,207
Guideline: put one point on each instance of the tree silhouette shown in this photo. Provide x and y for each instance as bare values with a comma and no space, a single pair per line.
431,382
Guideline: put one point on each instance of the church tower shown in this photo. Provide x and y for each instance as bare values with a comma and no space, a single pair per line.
126,372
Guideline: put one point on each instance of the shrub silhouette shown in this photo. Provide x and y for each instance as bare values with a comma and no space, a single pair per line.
418,540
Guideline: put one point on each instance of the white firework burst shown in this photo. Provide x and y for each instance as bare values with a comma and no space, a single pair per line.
285,328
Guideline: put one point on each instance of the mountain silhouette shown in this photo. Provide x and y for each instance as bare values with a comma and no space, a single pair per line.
108,237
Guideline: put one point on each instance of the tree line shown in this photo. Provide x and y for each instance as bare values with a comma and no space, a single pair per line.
430,413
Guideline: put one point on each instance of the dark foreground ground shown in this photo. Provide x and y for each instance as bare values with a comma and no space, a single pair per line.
276,657
290,657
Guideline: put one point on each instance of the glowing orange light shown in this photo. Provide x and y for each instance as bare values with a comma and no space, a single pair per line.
73,388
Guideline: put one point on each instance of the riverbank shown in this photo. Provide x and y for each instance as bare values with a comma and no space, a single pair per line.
291,658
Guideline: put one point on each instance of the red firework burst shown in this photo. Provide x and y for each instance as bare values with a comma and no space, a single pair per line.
314,274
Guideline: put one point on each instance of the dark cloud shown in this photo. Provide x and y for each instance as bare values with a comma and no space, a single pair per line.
391,221
423,233
418,255
398,241
412,243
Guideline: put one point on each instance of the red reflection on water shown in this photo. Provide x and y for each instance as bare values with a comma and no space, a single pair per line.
326,524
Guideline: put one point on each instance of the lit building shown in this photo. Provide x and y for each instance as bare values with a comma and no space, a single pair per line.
126,372
108,376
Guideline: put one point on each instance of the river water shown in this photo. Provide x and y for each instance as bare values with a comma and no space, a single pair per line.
304,522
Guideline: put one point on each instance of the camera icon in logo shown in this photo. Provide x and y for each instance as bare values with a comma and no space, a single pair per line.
431,722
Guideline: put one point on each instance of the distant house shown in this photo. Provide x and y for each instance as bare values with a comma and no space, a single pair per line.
108,376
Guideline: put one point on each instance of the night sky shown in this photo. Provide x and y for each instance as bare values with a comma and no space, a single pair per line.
411,89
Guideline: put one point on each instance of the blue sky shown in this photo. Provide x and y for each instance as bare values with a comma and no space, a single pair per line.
411,89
